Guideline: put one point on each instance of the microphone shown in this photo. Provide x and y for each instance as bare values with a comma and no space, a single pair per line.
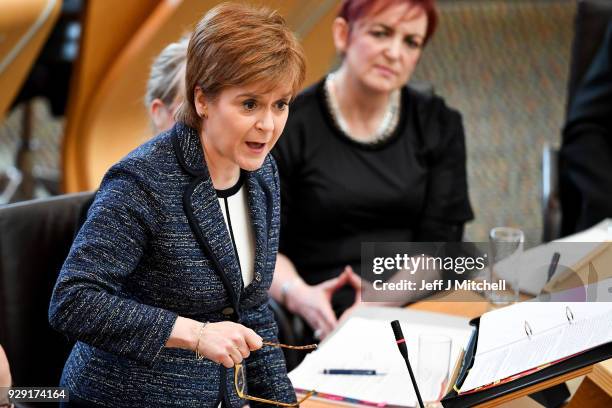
401,344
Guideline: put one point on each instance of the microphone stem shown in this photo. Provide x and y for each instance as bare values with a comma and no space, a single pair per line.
414,385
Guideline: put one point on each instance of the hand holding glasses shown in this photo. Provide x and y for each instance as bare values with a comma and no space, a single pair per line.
240,379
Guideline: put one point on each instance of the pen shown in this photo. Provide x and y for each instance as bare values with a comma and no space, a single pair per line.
348,371
553,265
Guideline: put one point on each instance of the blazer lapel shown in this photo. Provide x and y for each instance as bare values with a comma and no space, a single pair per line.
204,212
259,207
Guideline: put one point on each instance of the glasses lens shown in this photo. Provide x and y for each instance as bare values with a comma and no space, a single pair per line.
241,379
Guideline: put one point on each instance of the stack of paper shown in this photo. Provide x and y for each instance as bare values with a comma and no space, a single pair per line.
363,343
534,263
600,232
529,335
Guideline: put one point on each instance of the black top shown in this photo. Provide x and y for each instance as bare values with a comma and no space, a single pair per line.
337,192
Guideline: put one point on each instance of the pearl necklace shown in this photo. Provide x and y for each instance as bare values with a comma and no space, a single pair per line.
387,124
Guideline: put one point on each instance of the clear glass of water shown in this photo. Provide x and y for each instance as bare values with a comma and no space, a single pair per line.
433,366
505,251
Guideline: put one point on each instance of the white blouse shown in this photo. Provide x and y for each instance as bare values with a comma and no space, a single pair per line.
235,209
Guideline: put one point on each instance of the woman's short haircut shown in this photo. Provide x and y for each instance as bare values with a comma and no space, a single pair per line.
167,73
240,45
353,10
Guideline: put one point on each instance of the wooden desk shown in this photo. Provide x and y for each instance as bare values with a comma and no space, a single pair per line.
595,390
474,305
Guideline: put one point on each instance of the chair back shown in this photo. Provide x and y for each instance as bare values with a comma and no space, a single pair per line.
35,237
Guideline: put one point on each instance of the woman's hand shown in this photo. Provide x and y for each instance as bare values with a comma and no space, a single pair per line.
225,343
313,303
355,281
5,377
228,343
5,371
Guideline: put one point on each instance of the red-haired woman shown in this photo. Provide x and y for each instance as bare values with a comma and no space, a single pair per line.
366,158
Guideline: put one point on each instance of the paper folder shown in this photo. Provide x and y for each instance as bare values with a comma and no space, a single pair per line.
540,375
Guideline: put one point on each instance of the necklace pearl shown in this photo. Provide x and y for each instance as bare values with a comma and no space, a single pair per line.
385,128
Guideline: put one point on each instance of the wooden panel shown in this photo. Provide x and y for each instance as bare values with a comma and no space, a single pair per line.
104,34
315,33
589,394
474,306
24,28
602,376
115,120
106,124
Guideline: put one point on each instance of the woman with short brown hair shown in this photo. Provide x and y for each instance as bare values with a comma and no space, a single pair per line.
165,287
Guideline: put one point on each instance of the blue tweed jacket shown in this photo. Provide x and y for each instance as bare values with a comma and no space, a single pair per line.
154,246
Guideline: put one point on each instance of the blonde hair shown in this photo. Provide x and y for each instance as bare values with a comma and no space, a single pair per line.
237,45
167,72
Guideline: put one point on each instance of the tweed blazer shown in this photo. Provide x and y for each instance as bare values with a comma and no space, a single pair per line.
155,246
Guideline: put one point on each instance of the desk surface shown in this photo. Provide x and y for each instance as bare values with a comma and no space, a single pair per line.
600,374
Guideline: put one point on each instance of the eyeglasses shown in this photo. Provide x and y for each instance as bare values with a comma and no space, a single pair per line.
240,379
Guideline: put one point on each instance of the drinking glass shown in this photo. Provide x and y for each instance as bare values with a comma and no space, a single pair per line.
505,250
433,366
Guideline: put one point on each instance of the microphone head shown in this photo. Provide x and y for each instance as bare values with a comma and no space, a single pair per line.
397,330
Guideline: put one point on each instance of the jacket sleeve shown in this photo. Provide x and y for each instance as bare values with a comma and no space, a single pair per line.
90,301
266,371
447,204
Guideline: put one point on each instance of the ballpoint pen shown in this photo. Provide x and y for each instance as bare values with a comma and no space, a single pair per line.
348,371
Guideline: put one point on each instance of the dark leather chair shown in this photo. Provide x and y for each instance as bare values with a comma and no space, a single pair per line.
35,237
290,331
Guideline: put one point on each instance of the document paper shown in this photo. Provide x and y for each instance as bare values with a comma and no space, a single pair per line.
558,330
369,344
